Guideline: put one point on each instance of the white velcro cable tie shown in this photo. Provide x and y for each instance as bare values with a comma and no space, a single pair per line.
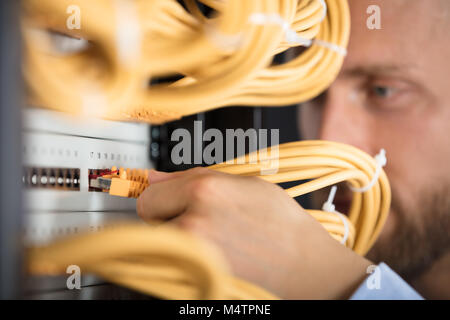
232,42
275,19
381,161
291,36
332,46
328,206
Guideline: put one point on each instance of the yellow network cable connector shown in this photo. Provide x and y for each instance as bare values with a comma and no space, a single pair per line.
128,183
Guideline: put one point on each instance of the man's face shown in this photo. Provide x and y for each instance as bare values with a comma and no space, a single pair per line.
394,93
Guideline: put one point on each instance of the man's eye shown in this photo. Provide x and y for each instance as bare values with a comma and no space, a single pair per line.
382,92
388,95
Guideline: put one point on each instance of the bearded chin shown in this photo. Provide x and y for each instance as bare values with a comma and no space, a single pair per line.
421,234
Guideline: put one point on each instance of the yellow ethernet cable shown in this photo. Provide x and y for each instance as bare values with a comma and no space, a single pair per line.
172,264
223,60
162,262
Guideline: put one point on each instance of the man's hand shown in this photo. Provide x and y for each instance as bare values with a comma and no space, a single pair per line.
265,235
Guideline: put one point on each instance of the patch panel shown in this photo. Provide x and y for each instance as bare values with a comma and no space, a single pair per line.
43,227
59,154
58,142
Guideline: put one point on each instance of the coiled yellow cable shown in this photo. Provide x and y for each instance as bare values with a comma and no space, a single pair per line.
325,163
224,60
172,264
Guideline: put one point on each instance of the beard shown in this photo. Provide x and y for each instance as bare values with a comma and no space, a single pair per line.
421,234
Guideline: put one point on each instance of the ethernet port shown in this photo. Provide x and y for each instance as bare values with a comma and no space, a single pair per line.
43,178
60,178
52,178
95,173
76,179
34,178
67,178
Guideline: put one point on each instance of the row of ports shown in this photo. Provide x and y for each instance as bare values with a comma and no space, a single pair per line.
52,178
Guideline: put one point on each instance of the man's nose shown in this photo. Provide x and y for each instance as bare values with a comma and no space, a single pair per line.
345,120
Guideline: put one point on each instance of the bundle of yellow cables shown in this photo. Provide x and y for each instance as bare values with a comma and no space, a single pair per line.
224,59
169,263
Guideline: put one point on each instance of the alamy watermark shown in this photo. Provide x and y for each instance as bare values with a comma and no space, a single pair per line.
374,20
212,147
74,280
373,282
74,19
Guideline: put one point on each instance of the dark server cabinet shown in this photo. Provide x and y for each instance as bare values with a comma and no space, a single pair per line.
10,146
